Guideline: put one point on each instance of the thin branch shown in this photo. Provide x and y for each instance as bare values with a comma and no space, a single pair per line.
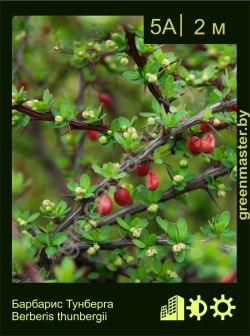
123,243
140,61
47,116
112,244
199,182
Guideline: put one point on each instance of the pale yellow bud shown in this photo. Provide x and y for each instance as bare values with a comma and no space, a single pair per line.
102,139
46,203
176,248
91,250
137,232
109,44
151,121
153,208
79,190
93,223
96,246
178,179
58,119
205,77
124,61
191,77
118,261
165,62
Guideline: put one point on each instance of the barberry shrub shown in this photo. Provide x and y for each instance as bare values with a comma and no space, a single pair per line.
123,154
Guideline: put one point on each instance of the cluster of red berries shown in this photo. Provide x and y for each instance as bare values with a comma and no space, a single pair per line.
197,145
104,205
122,196
143,169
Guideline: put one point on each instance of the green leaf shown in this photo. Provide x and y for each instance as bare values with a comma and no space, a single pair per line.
93,275
172,231
72,186
227,234
47,97
59,238
219,227
147,114
139,243
207,114
218,93
143,223
172,241
92,188
132,75
65,271
225,218
122,223
169,86
42,237
151,239
104,232
50,251
183,72
85,181
162,223
119,138
157,265
60,208
87,236
98,170
33,217
180,256
159,55
119,123
182,228
115,125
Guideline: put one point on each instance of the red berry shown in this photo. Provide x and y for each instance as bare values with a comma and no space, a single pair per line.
232,108
229,278
142,169
122,196
92,135
104,205
207,143
194,145
204,127
152,181
104,98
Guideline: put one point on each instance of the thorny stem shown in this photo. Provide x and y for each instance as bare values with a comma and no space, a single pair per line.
112,244
126,164
123,243
73,124
140,61
198,183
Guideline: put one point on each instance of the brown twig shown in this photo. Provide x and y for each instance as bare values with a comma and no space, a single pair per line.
73,124
113,244
140,61
199,182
